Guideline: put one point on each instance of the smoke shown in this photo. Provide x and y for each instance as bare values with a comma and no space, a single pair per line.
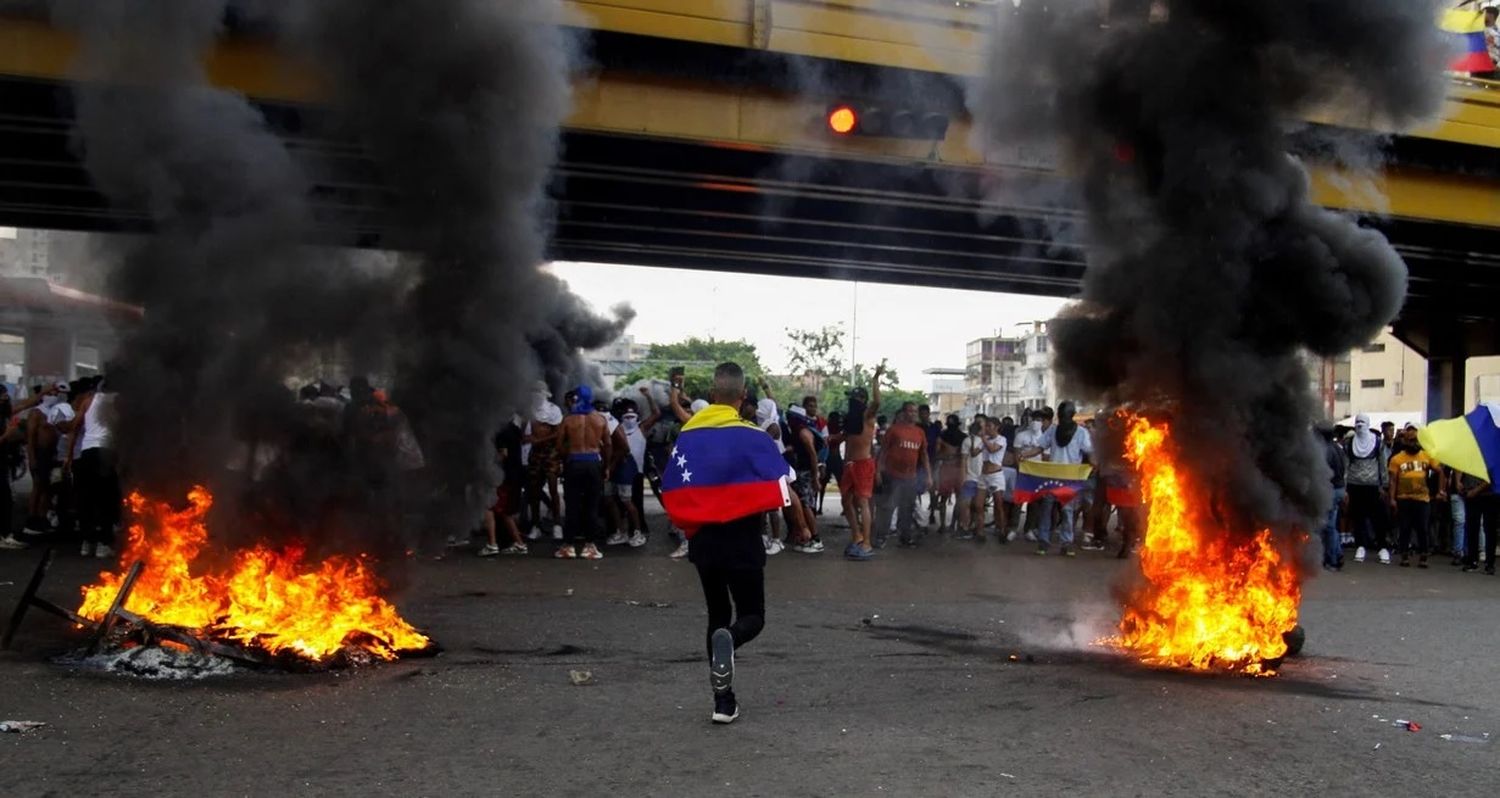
457,105
1210,268
230,294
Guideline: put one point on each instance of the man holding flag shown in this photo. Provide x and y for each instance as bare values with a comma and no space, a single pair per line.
722,476
1471,445
1060,480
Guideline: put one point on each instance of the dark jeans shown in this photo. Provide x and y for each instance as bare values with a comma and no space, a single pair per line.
1333,549
1368,520
583,489
1481,510
1411,515
900,497
746,588
97,485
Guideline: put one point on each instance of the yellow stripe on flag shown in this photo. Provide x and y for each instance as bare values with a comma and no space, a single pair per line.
1468,19
1452,443
1046,470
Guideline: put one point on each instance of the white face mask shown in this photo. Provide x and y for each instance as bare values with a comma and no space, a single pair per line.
630,423
49,401
1036,426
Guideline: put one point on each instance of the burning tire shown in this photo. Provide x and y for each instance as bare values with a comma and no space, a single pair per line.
1294,641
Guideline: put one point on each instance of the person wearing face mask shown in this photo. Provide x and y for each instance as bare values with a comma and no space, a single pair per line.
1066,442
1410,494
543,465
1029,446
628,483
42,438
1365,477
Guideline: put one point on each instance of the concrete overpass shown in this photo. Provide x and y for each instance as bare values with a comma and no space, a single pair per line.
698,140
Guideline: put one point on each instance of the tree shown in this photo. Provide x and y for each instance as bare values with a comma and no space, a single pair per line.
698,358
817,354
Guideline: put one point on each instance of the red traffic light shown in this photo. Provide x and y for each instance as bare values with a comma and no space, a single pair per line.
842,120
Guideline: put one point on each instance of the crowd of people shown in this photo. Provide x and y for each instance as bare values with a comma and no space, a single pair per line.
60,436
1390,496
578,472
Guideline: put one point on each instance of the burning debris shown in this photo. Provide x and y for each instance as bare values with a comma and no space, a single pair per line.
276,603
1211,270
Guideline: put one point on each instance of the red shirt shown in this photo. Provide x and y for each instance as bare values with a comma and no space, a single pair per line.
904,444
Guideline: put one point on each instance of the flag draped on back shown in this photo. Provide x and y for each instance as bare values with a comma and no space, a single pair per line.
722,468
1470,444
1465,25
1038,478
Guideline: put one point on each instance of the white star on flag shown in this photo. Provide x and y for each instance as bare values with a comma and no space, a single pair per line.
687,476
681,461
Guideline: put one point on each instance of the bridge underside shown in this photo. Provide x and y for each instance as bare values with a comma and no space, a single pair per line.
694,204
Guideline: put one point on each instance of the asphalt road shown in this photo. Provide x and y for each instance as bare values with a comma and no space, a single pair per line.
948,670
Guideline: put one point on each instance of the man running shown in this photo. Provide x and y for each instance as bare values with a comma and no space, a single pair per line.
858,479
584,440
723,475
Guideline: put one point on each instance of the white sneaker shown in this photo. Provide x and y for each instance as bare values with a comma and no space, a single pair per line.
775,547
1011,535
681,552
591,552
637,539
557,533
1359,554
1385,556
515,549
1031,536
534,534
457,542
617,539
86,550
10,542
104,551
489,550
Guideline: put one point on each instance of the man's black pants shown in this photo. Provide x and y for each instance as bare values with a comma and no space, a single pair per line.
1481,510
746,589
1368,518
583,489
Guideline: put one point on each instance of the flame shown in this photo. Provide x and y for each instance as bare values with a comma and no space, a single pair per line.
267,598
1210,601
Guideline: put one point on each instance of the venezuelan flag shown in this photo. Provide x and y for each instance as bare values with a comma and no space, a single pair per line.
1038,478
1470,444
722,468
1120,489
1465,24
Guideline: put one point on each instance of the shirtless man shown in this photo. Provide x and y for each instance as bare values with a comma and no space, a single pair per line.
584,442
859,469
41,454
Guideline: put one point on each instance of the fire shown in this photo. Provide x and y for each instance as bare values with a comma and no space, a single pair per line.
1209,601
274,600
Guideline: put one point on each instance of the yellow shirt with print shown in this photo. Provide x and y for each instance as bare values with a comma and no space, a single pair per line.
1409,475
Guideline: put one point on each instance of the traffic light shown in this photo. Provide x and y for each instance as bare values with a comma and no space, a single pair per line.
860,119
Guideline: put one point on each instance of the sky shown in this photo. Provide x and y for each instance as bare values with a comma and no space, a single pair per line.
915,328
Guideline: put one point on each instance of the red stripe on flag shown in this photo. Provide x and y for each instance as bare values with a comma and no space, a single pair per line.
692,507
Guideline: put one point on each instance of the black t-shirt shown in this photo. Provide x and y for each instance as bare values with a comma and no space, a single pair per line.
734,545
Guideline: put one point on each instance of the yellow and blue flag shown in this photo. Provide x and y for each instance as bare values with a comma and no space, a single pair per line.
1470,444
723,468
1465,25
1038,478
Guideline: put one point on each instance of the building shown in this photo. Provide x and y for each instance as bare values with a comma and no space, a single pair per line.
992,376
1038,386
618,358
1386,377
948,390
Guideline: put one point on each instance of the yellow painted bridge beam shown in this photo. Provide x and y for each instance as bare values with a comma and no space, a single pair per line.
702,111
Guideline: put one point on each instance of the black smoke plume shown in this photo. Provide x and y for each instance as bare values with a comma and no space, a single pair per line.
457,104
1210,268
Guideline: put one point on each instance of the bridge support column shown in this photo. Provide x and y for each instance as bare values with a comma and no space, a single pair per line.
1445,388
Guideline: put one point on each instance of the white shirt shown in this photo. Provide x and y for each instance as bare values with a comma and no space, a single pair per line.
996,457
636,441
1026,439
95,431
1074,452
973,466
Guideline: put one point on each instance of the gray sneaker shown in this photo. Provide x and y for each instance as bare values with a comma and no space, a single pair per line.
721,661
